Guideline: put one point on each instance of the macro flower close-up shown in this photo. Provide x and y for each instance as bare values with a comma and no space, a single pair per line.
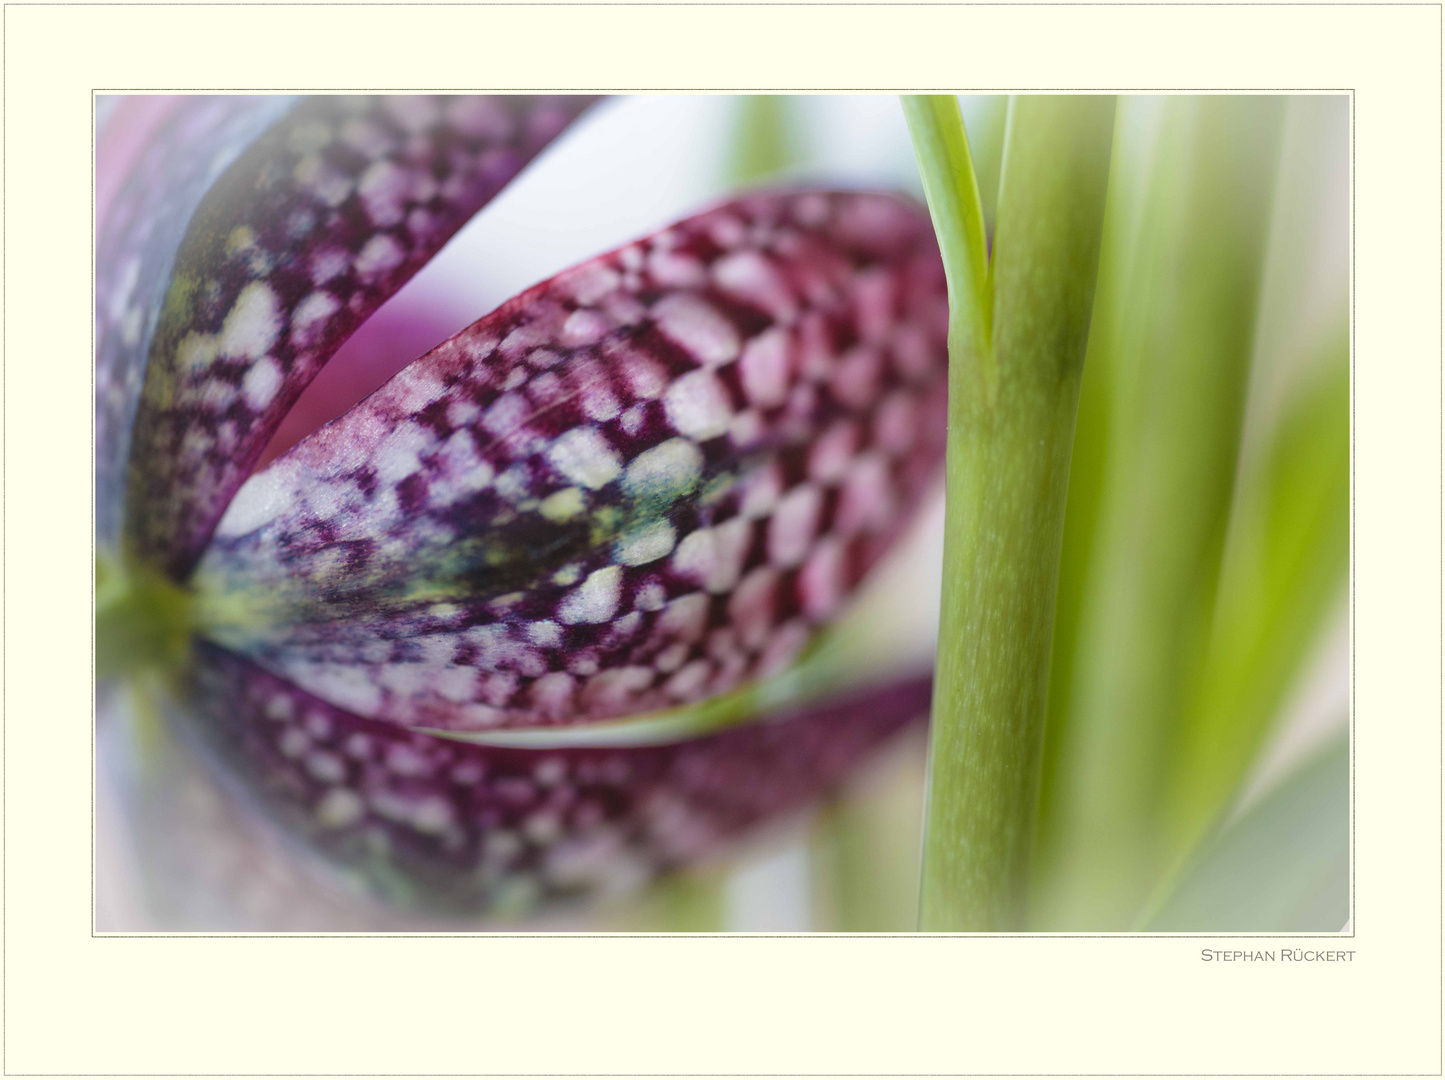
530,511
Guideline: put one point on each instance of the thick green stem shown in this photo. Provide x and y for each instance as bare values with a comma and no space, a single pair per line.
1013,392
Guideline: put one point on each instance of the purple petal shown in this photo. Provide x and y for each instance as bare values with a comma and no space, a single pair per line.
141,220
320,220
444,824
636,485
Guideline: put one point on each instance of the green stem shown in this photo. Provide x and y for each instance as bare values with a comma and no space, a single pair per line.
1016,345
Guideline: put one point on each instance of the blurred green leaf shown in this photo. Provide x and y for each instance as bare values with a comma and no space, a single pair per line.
1123,213
1182,340
1281,867
1285,564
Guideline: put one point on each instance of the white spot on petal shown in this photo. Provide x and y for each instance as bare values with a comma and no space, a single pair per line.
339,808
790,533
714,557
196,351
708,336
645,377
821,583
855,379
749,276
765,368
583,327
595,600
645,545
833,451
325,767
562,505
751,606
399,456
345,685
591,282
896,425
552,694
252,323
383,189
545,633
685,618
261,383
262,499
668,470
674,271
432,814
327,264
689,681
614,689
381,253
784,645
698,405
585,457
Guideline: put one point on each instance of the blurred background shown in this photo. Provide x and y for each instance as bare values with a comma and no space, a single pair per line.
1205,542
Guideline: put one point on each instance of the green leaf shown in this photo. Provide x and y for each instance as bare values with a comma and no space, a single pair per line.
984,119
1181,338
941,146
1282,867
1286,560
1128,181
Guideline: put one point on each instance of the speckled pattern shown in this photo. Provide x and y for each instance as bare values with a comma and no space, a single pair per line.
435,823
321,218
636,485
639,484
135,249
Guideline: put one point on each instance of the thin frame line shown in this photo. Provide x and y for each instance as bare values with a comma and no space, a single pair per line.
714,935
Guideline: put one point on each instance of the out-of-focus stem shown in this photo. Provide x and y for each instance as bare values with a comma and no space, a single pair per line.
864,848
1016,352
763,142
692,904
